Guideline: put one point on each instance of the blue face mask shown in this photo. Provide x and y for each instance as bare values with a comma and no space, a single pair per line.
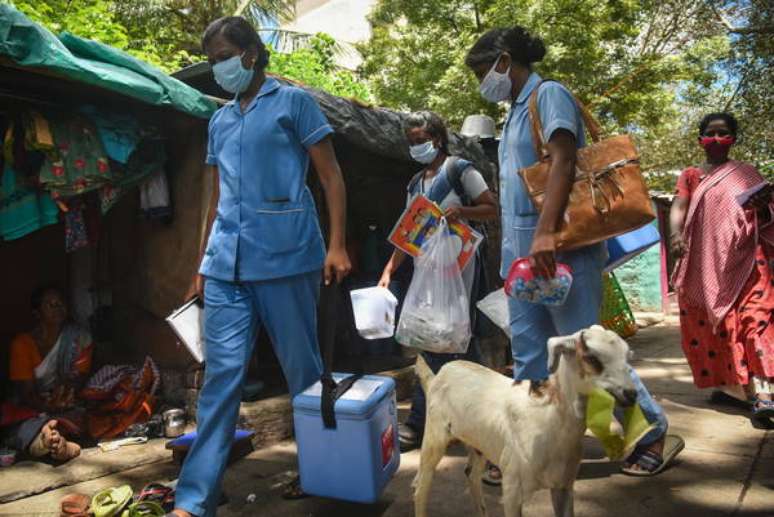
424,153
232,76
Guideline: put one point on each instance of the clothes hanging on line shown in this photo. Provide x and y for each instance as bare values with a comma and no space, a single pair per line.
119,133
23,208
78,163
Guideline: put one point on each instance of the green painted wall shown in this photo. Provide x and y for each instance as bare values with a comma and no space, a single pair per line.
640,279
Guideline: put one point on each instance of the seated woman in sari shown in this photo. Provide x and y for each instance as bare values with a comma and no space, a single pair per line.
47,367
724,277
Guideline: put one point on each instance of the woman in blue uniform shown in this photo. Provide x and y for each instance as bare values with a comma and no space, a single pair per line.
502,61
265,255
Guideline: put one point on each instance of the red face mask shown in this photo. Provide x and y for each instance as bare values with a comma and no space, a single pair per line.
717,146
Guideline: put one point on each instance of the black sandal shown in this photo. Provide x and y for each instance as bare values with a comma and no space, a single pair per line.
763,414
650,462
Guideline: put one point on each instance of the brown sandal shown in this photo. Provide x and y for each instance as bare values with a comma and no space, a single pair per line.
74,505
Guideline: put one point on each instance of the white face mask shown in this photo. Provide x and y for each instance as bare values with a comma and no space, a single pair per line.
496,87
424,153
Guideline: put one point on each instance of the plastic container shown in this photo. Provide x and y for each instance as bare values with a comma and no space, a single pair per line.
355,461
374,309
625,247
522,284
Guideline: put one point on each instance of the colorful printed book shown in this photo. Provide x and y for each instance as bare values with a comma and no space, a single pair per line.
420,220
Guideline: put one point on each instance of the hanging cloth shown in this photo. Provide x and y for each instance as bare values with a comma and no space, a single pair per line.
79,162
23,209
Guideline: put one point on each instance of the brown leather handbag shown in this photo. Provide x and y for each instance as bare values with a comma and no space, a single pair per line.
609,196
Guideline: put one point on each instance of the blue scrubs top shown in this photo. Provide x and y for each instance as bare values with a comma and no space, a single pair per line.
266,225
557,110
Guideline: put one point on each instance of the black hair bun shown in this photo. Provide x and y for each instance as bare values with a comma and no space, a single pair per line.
536,50
523,47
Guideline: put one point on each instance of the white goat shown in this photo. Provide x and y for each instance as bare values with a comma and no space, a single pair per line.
535,440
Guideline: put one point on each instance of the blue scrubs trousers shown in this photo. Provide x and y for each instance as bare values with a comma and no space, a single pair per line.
287,307
532,325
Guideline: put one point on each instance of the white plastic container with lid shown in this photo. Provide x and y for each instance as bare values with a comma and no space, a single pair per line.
374,309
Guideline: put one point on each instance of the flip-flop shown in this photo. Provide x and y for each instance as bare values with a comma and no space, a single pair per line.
763,414
110,502
75,505
144,509
652,463
158,493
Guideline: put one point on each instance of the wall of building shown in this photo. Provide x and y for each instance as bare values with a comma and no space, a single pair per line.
345,20
640,279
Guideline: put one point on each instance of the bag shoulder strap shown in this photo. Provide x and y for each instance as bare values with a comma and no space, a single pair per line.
413,184
537,126
454,171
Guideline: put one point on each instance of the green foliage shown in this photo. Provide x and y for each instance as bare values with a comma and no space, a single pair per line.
92,19
650,67
314,66
89,19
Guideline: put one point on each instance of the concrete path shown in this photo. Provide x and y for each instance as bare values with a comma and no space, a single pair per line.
727,468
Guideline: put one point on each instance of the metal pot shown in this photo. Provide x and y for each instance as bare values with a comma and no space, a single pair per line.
174,422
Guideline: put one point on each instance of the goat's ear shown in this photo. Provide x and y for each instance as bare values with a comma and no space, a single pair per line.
558,346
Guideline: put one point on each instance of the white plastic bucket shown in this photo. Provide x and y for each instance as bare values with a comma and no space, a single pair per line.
374,309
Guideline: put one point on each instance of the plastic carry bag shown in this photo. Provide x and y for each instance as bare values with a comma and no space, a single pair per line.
436,313
374,309
495,307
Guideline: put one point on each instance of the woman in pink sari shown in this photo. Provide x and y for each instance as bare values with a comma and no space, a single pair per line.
724,237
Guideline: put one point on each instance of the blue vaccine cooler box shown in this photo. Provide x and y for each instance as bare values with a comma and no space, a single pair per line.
355,461
625,247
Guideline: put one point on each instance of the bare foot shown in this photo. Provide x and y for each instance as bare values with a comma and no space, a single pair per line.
59,448
181,513
657,447
66,451
51,438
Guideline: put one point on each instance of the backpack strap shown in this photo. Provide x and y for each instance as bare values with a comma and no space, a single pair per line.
413,185
454,171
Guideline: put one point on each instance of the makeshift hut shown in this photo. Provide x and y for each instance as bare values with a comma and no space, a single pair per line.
90,224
